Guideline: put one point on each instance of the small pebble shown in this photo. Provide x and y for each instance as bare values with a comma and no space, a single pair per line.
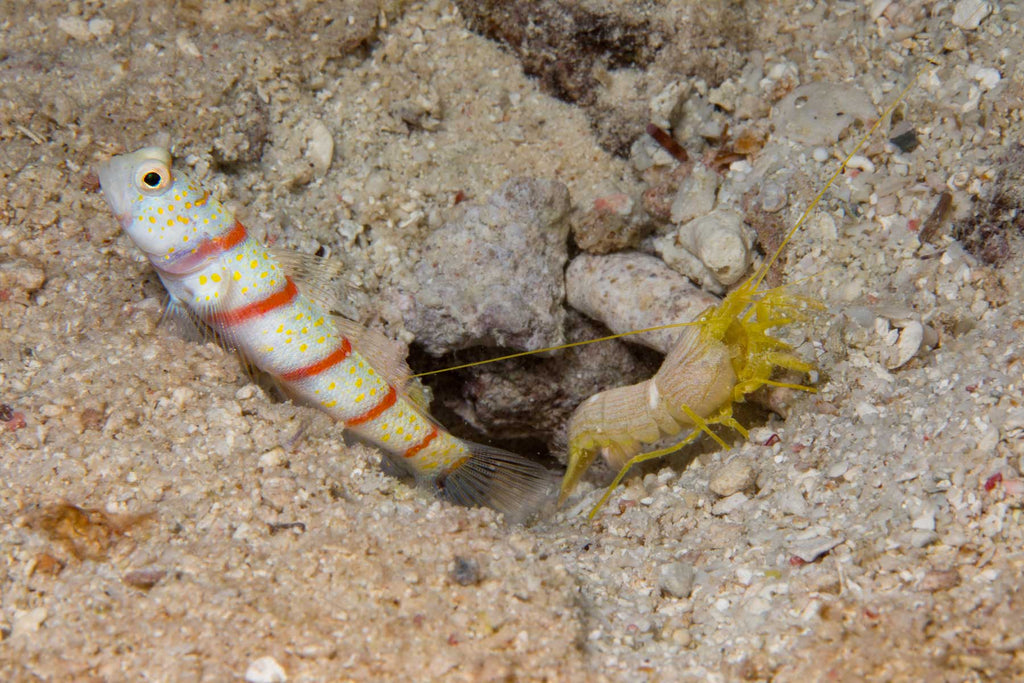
320,148
925,521
811,549
676,579
908,344
144,578
28,622
939,580
265,670
465,571
968,14
728,505
906,142
988,77
696,195
736,475
275,457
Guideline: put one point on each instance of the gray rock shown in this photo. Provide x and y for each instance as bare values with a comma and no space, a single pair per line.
492,276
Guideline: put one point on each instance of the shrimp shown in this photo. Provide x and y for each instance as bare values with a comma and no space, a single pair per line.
718,360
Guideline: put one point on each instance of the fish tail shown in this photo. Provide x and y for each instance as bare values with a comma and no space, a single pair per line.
497,479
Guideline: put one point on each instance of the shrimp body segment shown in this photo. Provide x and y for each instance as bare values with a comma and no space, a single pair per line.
724,355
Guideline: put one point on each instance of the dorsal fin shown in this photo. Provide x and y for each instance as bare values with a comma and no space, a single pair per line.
321,279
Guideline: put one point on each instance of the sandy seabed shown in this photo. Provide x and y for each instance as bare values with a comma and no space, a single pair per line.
163,518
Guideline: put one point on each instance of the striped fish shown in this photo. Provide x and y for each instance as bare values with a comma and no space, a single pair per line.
221,277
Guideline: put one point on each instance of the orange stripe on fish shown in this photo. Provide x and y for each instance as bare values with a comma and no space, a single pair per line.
256,309
335,357
223,243
416,448
376,411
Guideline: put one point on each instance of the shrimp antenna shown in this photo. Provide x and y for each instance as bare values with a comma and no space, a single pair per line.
754,282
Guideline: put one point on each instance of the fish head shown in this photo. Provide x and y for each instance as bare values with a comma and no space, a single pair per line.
163,211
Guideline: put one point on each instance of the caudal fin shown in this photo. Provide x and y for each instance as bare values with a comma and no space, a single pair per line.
497,479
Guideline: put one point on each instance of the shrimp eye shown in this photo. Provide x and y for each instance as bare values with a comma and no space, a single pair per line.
153,177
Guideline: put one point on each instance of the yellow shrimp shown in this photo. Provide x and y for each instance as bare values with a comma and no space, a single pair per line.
722,357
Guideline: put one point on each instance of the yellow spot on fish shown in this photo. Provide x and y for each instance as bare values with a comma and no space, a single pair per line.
240,257
263,274
245,290
303,347
319,322
152,219
237,276
352,370
360,398
273,282
305,330
202,279
182,219
330,404
254,264
321,340
170,222
373,391
184,238
332,386
280,329
385,437
170,207
359,382
160,210
215,277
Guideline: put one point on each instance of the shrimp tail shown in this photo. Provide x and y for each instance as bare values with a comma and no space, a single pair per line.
497,479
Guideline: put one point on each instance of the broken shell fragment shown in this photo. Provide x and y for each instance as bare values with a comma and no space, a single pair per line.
719,239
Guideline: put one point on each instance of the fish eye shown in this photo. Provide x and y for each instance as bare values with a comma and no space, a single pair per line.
153,177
